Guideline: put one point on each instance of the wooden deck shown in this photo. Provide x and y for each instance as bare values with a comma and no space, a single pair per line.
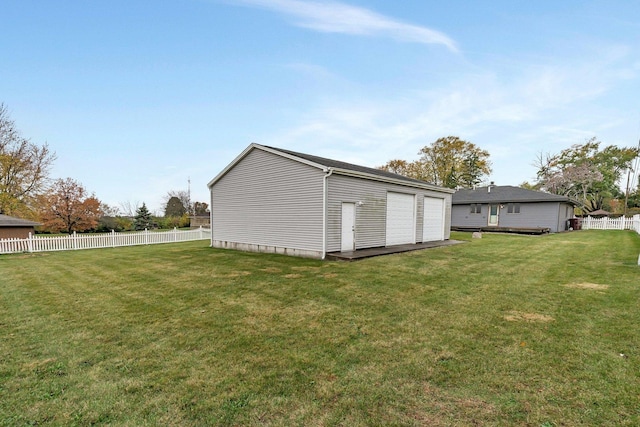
517,230
386,250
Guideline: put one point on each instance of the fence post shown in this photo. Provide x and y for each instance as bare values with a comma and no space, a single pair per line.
73,240
30,243
113,238
146,236
175,234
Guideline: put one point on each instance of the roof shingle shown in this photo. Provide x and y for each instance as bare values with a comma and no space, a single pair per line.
504,194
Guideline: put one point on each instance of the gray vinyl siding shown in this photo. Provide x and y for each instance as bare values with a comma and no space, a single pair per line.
552,215
371,216
538,215
266,199
461,216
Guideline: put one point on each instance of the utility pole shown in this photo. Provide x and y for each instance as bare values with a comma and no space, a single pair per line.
189,208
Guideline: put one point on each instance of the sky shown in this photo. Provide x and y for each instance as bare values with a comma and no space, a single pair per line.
139,97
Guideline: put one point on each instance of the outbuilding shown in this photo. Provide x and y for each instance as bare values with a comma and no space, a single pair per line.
280,201
511,209
16,228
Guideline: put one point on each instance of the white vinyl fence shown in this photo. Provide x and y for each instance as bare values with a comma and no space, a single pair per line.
102,240
622,223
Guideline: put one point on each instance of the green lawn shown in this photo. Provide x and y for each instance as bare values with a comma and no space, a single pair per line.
504,330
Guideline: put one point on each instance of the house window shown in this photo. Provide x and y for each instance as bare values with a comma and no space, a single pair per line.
476,208
513,208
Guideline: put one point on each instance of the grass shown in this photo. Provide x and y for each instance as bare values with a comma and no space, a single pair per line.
504,330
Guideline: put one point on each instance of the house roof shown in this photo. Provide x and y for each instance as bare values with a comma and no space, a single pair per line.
10,221
599,212
336,166
504,194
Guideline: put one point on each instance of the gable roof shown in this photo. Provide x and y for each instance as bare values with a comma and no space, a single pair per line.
336,166
10,221
505,194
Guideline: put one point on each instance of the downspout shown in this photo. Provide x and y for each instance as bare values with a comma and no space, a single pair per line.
325,190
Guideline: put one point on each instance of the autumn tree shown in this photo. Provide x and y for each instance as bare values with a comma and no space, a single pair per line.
67,207
585,172
24,168
415,169
453,162
449,162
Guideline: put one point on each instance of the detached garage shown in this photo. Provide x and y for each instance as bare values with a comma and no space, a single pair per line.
280,201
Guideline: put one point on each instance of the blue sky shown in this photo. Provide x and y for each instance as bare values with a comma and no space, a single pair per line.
137,97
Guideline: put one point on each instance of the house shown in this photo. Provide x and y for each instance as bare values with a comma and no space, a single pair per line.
16,228
508,208
274,200
599,213
196,221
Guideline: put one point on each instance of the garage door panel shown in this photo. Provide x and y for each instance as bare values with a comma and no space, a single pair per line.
433,219
400,219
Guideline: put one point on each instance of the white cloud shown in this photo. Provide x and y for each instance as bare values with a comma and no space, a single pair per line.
335,17
513,113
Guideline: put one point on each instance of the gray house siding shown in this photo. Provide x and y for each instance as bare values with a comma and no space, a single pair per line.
269,203
371,215
552,215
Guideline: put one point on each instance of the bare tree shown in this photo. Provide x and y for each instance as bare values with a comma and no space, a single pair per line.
129,208
24,168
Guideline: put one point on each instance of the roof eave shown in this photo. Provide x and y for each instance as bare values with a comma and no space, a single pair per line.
268,150
373,177
466,202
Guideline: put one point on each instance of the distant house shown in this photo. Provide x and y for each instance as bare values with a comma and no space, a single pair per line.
196,221
600,213
274,200
16,228
508,208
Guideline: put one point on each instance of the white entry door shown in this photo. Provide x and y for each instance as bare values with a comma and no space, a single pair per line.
494,213
433,220
401,222
348,240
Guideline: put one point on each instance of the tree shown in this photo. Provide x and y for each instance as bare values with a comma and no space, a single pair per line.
129,208
415,169
174,208
142,219
24,168
585,172
67,207
183,196
200,208
453,162
449,162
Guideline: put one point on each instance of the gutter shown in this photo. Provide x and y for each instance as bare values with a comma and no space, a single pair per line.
325,189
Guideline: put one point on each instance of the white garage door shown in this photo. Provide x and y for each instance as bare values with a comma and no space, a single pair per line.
401,224
433,224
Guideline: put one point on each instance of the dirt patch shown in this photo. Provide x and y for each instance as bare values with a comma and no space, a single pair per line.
518,316
305,268
591,286
329,275
271,270
292,276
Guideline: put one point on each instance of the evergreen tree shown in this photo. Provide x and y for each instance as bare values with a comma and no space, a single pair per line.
142,219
